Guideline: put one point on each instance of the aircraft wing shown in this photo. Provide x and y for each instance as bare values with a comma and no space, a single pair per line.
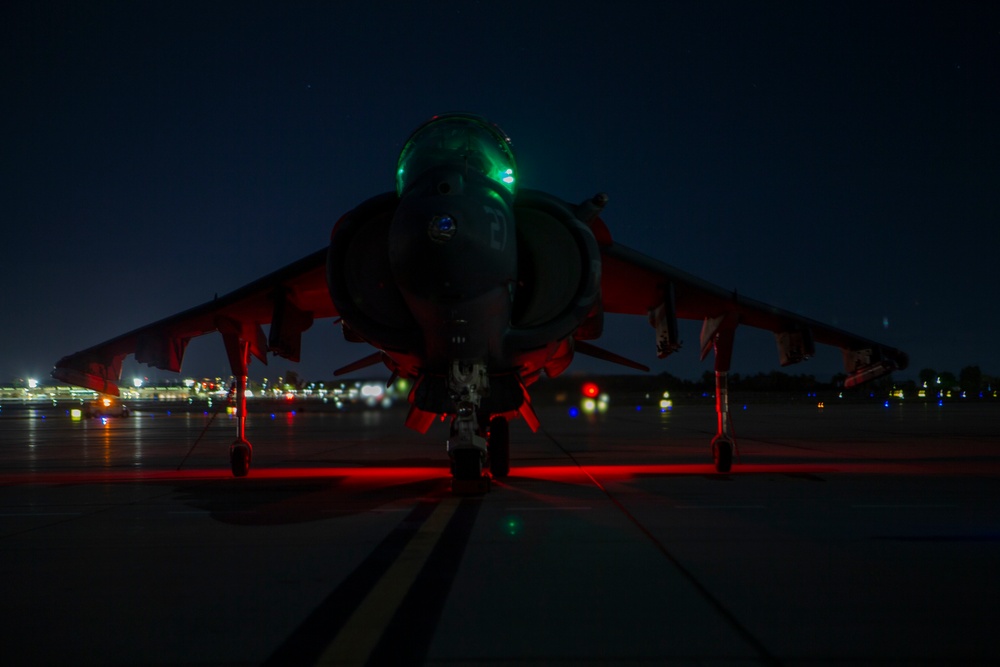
634,283
288,299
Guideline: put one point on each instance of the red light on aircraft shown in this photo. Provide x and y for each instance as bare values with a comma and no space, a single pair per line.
591,390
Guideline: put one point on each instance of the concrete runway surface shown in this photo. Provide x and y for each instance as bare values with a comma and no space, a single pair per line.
845,535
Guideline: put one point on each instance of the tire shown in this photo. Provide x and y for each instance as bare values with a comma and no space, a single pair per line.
722,453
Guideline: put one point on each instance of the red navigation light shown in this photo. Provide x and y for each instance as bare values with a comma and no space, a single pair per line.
591,390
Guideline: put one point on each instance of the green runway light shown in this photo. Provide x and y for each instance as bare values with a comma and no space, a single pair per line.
512,526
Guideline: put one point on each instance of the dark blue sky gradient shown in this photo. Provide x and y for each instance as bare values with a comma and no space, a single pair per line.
841,160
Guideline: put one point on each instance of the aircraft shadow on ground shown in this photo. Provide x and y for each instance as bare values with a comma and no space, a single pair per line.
268,502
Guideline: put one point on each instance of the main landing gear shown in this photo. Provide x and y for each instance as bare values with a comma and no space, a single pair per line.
499,447
467,463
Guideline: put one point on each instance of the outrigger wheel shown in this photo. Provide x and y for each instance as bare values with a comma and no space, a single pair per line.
240,454
722,453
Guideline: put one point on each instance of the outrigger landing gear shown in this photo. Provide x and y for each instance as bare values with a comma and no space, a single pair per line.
467,446
723,443
240,452
717,334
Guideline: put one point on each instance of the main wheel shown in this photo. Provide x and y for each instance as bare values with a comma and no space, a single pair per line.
466,463
722,452
239,458
499,447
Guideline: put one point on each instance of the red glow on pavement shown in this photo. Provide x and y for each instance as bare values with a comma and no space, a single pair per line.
567,474
623,473
392,475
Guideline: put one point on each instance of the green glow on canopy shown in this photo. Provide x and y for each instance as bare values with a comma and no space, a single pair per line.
464,141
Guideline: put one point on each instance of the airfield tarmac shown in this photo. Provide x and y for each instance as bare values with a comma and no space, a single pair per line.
849,534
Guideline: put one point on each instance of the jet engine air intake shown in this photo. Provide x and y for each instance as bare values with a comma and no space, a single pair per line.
559,271
360,278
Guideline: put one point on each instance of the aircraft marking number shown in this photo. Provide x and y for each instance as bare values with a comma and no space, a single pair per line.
498,228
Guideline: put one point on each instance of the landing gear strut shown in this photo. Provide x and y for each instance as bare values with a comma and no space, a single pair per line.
240,452
718,334
723,442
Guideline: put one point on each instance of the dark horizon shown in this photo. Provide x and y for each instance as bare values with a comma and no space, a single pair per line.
838,160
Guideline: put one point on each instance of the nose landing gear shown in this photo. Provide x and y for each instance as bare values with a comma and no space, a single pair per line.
466,446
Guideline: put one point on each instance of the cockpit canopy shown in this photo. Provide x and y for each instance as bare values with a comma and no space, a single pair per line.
465,141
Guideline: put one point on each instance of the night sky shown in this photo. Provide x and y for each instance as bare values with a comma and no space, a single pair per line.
841,160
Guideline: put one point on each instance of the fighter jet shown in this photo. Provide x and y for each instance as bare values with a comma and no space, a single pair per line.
472,287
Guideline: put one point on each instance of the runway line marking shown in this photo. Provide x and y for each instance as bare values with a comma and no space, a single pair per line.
904,506
720,507
548,509
360,634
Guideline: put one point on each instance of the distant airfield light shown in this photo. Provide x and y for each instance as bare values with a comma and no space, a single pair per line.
885,322
371,390
137,382
591,390
76,413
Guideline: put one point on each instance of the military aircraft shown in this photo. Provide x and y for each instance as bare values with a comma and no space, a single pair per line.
471,287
